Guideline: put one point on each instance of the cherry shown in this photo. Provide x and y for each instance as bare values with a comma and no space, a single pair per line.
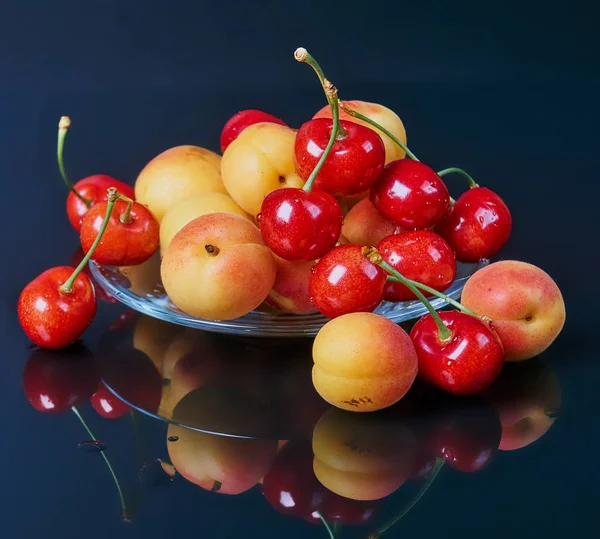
343,281
466,434
467,359
100,292
355,160
410,194
57,306
107,404
54,381
239,121
131,238
419,255
86,192
477,226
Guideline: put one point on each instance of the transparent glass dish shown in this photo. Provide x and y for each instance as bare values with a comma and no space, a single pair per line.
140,288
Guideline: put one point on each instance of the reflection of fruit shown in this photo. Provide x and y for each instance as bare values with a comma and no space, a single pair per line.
258,161
55,381
225,253
360,457
219,463
363,362
176,174
143,278
107,404
466,433
526,395
524,303
153,337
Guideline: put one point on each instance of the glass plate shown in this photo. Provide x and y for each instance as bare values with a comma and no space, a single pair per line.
140,288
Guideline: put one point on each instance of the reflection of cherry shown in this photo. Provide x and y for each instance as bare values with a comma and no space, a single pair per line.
107,404
466,434
55,381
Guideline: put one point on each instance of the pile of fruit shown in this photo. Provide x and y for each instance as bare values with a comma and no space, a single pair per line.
335,217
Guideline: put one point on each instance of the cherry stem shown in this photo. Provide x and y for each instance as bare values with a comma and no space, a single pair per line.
63,126
375,257
303,56
428,482
443,296
472,182
108,464
364,118
113,194
326,524
125,217
335,131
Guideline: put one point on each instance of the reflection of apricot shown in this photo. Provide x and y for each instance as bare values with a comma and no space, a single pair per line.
143,278
359,457
218,463
526,395
153,337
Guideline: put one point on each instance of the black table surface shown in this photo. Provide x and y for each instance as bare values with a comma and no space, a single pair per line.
507,90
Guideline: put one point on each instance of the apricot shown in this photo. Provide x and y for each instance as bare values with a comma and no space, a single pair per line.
524,303
177,174
364,225
383,116
363,362
290,290
219,463
362,458
258,161
217,267
187,210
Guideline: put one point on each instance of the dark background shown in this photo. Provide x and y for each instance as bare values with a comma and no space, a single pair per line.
507,90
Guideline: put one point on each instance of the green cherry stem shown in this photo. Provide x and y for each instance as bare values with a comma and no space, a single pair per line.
375,257
63,126
113,194
335,132
430,479
441,295
472,182
326,524
364,118
108,464
303,56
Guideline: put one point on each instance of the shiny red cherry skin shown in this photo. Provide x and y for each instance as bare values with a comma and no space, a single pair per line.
477,226
54,381
410,194
93,188
419,255
354,163
54,319
239,121
297,225
466,435
290,485
469,361
101,294
123,244
344,281
107,404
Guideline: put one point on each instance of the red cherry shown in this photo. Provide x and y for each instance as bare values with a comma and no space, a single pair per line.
107,404
466,436
469,361
123,244
421,256
477,226
355,161
344,281
410,194
100,292
92,188
52,318
239,121
297,225
55,381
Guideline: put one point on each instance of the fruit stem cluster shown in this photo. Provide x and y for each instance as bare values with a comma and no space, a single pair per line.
374,256
472,182
63,126
113,194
